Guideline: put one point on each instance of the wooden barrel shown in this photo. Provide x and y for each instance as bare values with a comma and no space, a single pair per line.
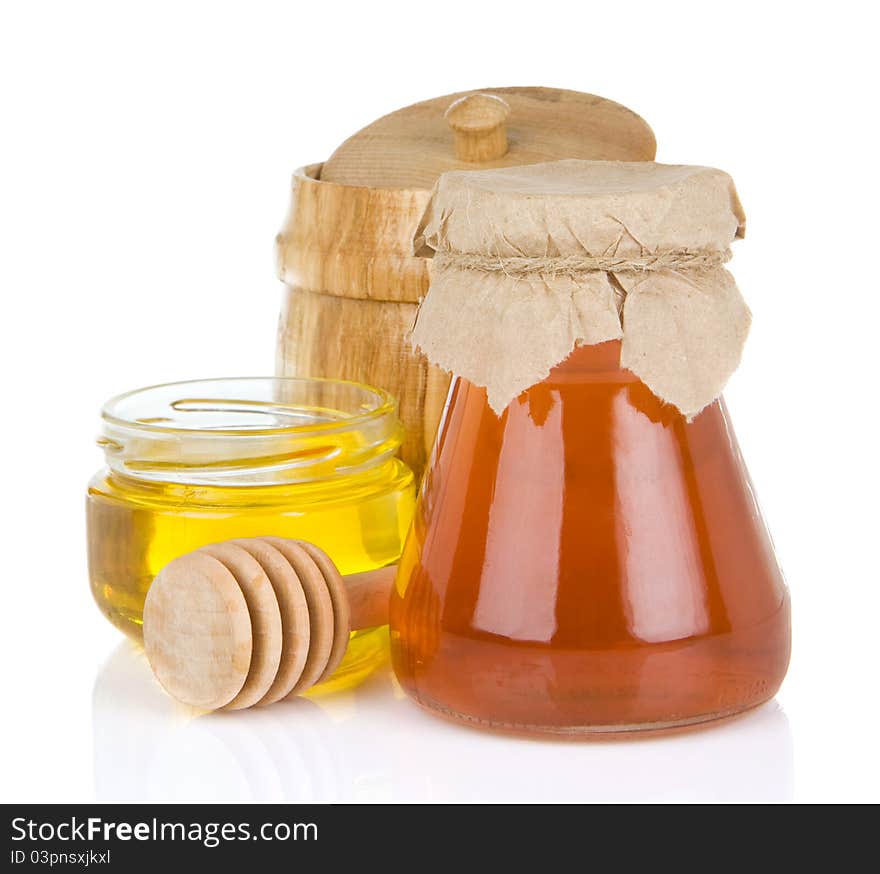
352,293
345,252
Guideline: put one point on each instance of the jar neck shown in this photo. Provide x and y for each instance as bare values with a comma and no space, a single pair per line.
248,461
289,497
595,363
285,432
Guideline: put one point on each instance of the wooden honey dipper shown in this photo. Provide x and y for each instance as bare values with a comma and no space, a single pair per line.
256,620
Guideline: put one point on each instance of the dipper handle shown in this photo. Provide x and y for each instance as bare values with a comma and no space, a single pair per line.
368,596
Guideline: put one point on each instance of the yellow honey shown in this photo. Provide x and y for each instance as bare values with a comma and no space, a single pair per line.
190,464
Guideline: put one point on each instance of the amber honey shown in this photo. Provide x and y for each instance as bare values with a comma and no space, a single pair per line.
587,562
198,463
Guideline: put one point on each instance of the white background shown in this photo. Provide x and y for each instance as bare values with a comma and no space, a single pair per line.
146,155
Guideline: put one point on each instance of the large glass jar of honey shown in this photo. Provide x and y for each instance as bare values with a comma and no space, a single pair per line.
585,557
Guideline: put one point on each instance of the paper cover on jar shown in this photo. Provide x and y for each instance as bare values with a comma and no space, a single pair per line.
530,262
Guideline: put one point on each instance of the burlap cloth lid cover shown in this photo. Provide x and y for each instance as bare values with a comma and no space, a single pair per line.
530,262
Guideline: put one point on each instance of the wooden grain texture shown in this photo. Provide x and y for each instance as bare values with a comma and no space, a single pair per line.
365,341
479,127
368,595
197,631
320,610
262,605
295,631
339,599
255,620
351,241
345,251
411,147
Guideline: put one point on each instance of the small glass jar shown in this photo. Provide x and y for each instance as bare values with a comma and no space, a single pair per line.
194,463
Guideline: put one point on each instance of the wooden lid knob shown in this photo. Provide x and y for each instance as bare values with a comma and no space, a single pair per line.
479,122
492,127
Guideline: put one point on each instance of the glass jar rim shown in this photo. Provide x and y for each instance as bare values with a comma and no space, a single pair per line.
385,405
249,430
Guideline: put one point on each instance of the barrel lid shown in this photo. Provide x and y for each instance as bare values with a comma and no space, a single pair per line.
492,127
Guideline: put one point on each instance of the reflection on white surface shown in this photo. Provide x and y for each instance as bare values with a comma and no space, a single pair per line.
373,745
